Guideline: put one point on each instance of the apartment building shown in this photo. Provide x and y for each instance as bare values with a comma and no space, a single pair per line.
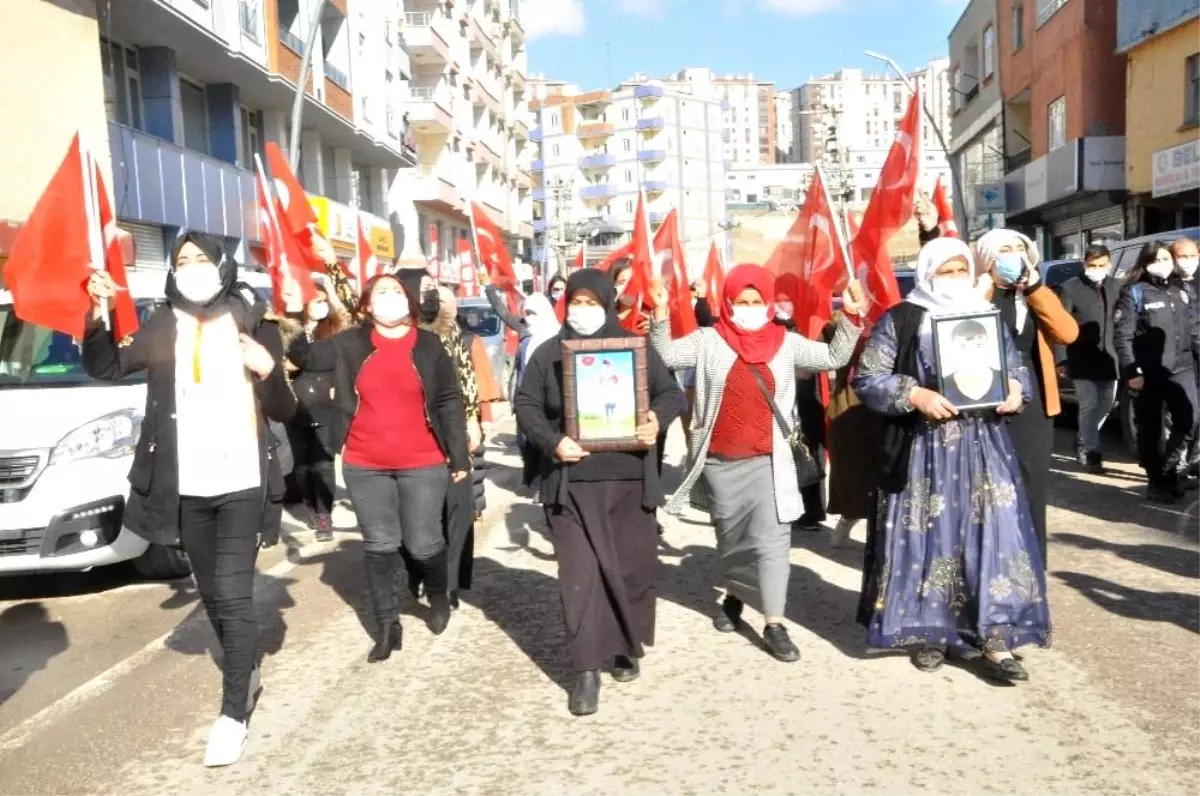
598,148
977,122
851,117
784,137
1064,122
468,110
1161,39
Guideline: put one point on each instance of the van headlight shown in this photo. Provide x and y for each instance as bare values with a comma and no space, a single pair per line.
111,437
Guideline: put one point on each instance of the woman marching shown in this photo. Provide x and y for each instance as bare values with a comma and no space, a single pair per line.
399,421
952,553
203,468
600,506
308,432
1157,337
742,469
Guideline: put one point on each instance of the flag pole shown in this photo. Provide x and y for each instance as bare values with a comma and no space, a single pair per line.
91,203
837,226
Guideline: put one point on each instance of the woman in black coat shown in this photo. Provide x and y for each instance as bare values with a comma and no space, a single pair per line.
203,472
599,506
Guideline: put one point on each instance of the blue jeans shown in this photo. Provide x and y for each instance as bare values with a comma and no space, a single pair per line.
1095,402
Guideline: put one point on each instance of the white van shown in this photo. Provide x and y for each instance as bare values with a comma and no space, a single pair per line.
66,446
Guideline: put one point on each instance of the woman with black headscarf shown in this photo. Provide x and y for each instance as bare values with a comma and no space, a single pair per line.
203,468
600,506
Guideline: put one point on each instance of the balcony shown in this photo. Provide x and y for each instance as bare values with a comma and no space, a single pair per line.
652,155
512,26
601,160
156,182
656,216
481,37
593,99
593,130
291,41
432,186
337,76
725,136
524,180
648,94
597,191
651,124
539,194
537,165
654,186
520,129
429,111
427,44
1018,161
535,135
724,104
541,224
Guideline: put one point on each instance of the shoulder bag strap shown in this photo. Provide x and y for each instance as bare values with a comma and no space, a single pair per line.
788,432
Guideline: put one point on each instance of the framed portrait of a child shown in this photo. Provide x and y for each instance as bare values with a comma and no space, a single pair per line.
605,392
971,368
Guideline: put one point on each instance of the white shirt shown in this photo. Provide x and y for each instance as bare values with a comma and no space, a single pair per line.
216,418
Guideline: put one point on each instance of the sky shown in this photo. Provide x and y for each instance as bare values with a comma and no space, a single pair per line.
598,43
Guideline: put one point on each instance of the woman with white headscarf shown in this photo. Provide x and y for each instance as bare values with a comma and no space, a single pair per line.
952,559
1037,321
540,324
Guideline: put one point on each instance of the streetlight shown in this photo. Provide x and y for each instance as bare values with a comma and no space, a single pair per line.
937,130
298,102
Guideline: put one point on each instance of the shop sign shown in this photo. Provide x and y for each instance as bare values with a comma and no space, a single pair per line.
1176,169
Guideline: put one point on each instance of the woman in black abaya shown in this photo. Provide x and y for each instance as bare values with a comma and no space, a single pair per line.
599,506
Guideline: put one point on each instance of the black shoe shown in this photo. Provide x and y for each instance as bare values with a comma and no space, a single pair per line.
731,615
1081,456
1159,494
625,669
929,659
454,601
585,695
324,528
779,644
1094,462
1188,482
1007,669
809,523
439,613
390,638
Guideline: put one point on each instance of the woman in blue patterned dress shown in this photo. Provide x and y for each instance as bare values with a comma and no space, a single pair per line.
952,555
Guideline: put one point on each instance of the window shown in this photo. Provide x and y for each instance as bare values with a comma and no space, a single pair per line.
628,175
989,51
629,207
251,138
1191,84
248,16
1018,25
956,101
195,116
554,150
554,120
1057,114
628,145
624,114
1047,9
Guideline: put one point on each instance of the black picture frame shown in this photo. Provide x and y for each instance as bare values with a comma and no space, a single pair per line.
957,348
613,428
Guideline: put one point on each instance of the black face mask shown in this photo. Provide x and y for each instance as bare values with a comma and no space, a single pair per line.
430,302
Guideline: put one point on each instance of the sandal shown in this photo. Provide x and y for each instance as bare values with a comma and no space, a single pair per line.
929,658
1006,669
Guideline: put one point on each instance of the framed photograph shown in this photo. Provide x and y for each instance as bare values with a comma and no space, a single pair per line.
606,395
971,369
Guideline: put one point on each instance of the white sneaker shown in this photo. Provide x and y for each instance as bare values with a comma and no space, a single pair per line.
840,534
256,687
226,741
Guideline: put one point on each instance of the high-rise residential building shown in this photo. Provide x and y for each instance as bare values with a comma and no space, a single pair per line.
784,138
850,117
410,110
468,111
598,148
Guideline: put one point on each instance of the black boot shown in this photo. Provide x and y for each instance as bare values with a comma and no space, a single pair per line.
436,580
381,584
730,617
585,695
625,669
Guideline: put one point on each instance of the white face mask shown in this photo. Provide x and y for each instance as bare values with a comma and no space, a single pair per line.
1161,269
318,312
953,288
751,319
1187,266
389,309
586,319
1097,275
198,282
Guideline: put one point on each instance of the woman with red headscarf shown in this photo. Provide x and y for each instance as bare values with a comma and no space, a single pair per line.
741,468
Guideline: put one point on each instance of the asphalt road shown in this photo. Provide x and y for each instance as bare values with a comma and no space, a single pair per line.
107,683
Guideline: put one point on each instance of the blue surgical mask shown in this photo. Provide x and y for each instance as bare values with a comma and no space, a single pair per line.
1010,267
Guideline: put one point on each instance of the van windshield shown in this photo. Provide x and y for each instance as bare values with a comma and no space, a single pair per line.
482,321
34,356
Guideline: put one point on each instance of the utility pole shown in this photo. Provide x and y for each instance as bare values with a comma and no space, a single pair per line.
298,102
563,193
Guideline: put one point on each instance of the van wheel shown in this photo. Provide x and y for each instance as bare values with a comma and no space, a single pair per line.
163,562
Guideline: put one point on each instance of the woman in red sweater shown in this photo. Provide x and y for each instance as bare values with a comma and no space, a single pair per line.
401,429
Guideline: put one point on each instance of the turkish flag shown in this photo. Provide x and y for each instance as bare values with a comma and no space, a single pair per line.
642,268
285,259
366,264
714,280
493,254
70,231
468,280
581,257
812,252
298,216
890,208
672,269
945,211
620,253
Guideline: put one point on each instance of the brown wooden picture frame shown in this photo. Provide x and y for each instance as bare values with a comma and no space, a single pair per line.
572,350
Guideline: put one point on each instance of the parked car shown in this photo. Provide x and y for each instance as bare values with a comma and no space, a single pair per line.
475,315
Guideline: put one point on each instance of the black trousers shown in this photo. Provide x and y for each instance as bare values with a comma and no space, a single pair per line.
313,471
812,426
1032,436
220,536
1177,393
